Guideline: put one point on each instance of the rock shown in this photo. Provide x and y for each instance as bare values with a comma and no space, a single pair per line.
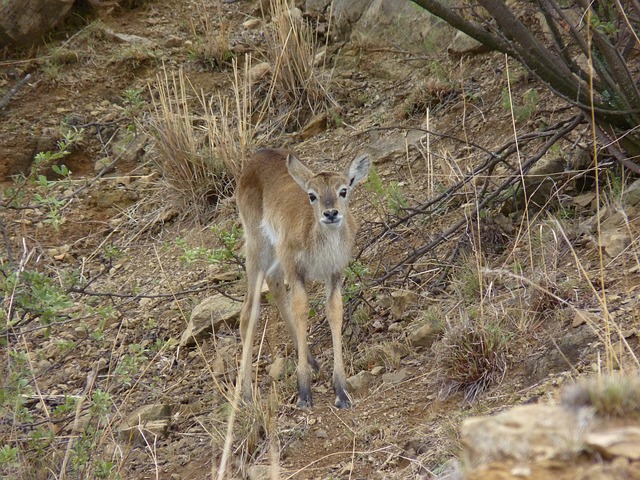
526,432
127,38
145,424
400,300
27,22
569,349
143,434
398,22
261,472
463,44
425,335
614,242
172,42
359,382
618,442
316,125
129,149
258,72
631,196
317,6
104,163
208,316
377,370
277,368
396,377
387,147
584,200
251,24
581,317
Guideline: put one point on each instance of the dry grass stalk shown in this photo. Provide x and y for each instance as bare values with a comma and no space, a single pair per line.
298,90
200,156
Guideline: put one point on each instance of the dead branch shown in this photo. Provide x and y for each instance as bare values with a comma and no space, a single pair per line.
480,203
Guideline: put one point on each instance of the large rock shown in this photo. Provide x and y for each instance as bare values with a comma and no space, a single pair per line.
527,432
27,22
208,316
399,22
618,442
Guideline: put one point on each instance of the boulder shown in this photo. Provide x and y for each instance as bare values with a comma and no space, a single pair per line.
27,22
526,432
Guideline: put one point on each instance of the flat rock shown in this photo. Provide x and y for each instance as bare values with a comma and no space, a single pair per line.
359,382
400,300
209,315
277,368
425,335
398,376
618,442
145,424
526,432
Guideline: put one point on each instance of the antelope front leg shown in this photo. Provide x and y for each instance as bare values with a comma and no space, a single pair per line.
334,315
300,312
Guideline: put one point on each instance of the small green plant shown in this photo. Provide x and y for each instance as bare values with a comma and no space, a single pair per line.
390,197
8,457
35,296
104,469
134,102
228,240
353,276
129,364
521,111
43,196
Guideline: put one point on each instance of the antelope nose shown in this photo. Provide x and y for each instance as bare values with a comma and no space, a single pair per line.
331,215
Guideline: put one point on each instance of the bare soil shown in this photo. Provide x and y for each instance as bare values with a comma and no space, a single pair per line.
118,243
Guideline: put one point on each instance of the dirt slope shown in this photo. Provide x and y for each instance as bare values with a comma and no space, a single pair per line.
129,265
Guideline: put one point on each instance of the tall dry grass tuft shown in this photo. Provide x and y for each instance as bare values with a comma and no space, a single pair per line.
200,154
298,87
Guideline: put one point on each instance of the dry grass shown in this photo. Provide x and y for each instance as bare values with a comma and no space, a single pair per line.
611,396
200,155
297,88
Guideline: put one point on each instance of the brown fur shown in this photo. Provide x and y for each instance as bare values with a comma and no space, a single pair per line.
291,240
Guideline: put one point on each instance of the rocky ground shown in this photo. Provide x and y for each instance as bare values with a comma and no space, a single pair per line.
122,352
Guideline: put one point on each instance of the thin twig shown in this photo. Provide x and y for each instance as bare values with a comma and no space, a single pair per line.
11,93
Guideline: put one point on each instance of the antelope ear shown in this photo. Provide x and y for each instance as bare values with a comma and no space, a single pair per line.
298,171
358,170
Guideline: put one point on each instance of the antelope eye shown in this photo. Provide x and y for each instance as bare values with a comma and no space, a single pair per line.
343,193
312,197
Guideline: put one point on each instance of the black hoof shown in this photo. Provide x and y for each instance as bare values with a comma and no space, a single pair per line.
304,403
342,403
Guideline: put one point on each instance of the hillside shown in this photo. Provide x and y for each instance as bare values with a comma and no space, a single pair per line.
478,284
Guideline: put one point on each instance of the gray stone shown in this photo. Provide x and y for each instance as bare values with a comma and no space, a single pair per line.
631,196
614,242
399,22
209,315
